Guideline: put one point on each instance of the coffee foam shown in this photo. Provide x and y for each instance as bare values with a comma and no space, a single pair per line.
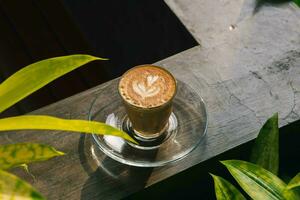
147,86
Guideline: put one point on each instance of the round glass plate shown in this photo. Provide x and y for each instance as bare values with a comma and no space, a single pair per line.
187,127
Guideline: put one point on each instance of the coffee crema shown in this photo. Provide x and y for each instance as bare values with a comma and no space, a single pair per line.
147,86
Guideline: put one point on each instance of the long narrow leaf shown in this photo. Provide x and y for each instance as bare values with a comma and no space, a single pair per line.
258,182
40,122
34,76
265,152
12,187
13,155
295,182
225,190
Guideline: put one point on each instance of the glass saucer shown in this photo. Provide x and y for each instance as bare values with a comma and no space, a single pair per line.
187,127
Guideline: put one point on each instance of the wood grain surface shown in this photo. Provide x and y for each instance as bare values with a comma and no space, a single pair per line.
245,74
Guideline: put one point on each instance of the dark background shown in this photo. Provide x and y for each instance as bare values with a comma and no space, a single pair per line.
129,33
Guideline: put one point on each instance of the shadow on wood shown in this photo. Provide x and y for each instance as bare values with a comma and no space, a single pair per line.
102,169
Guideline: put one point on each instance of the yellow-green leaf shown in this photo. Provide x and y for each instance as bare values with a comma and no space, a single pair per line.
225,190
14,155
12,187
295,182
26,168
265,152
34,76
41,122
257,182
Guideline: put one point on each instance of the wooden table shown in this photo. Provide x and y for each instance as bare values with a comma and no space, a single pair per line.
246,68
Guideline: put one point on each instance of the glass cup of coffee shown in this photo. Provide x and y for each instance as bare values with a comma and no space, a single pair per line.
147,92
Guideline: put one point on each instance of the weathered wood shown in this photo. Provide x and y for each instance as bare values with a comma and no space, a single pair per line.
244,75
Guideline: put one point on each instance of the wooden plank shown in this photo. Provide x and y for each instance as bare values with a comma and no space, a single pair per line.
232,121
244,79
207,20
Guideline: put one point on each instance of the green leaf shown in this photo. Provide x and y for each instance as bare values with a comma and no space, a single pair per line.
265,152
297,2
295,182
12,187
41,122
257,182
26,169
34,76
225,190
14,155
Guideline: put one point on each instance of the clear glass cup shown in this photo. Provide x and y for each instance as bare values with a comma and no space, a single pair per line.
149,123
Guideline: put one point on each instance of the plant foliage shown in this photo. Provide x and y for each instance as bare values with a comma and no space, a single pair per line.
14,155
42,122
35,76
257,182
18,86
225,190
258,179
266,148
12,187
295,182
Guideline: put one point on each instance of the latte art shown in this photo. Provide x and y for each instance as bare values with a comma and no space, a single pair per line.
148,90
151,79
147,86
